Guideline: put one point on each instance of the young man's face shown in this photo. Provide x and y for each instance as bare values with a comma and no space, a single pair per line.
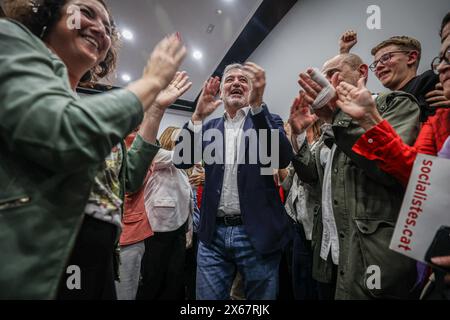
393,66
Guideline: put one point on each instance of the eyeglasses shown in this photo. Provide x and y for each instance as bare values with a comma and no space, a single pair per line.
384,59
438,60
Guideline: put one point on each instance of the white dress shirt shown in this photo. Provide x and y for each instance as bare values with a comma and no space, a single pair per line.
330,240
233,127
168,194
229,198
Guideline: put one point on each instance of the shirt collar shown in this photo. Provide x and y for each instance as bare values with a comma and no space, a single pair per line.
241,113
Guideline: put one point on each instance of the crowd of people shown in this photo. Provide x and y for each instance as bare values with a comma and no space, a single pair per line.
87,188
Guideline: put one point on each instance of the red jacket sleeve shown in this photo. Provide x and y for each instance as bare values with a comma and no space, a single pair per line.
393,156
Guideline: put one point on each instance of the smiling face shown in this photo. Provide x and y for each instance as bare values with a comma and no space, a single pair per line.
235,89
84,48
396,71
444,69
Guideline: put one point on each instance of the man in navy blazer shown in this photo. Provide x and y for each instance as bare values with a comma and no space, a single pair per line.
243,223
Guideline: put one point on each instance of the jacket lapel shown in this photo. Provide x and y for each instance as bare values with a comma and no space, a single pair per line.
248,124
220,125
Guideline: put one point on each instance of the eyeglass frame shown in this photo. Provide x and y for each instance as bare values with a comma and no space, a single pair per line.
373,65
440,58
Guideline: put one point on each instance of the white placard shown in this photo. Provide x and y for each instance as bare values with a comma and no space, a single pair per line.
425,208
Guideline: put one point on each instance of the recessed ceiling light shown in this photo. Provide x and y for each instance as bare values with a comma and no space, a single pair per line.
219,12
126,77
127,34
197,55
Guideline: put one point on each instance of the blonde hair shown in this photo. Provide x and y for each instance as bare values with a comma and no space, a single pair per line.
314,131
404,43
166,139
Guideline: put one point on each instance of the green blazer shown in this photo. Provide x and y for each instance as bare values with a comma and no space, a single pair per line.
52,144
366,203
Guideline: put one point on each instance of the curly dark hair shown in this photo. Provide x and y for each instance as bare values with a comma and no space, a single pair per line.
41,16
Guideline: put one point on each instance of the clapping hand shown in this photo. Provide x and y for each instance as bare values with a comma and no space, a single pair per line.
176,88
207,102
443,262
257,76
358,103
165,60
436,97
300,117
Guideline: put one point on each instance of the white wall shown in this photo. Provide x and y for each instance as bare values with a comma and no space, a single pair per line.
174,118
179,118
308,35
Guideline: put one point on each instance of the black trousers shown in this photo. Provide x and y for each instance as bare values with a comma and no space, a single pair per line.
94,255
163,266
304,286
327,291
285,291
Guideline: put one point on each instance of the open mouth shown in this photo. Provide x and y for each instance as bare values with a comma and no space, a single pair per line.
92,41
382,74
236,92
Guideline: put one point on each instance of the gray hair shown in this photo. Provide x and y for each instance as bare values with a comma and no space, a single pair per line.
228,68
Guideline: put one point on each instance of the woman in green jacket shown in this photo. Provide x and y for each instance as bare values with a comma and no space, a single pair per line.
61,157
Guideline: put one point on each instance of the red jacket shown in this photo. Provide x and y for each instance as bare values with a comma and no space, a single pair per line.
199,196
384,145
135,224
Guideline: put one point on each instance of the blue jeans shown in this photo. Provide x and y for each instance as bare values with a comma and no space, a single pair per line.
229,251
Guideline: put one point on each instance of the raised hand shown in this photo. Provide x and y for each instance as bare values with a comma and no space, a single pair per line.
311,91
436,97
159,72
257,77
176,88
207,102
310,87
165,60
444,262
197,179
355,101
358,103
300,117
348,39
